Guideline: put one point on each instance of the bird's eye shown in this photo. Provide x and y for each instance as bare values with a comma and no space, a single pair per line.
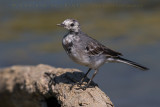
72,24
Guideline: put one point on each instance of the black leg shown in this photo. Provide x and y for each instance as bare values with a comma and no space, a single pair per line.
96,70
84,76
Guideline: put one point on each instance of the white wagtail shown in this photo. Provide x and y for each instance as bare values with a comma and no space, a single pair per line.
89,52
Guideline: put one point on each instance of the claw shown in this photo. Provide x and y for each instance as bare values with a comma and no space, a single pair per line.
82,87
78,85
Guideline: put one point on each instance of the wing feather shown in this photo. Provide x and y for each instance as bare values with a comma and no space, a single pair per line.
95,48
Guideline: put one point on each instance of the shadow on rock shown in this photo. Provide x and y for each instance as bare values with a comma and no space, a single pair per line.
67,78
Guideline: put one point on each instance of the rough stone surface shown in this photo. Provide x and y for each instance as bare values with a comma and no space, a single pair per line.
46,86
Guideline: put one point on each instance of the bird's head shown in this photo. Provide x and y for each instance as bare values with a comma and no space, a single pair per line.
70,24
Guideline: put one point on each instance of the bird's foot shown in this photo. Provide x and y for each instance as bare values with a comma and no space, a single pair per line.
82,87
79,84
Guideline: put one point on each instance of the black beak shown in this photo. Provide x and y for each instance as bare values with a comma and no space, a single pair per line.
61,25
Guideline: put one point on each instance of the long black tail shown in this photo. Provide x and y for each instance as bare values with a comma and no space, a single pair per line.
134,64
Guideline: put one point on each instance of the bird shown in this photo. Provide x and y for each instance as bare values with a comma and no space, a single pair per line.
88,52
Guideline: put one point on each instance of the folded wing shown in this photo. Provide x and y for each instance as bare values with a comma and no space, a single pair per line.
95,48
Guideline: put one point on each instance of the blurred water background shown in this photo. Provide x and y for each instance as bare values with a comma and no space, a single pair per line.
29,36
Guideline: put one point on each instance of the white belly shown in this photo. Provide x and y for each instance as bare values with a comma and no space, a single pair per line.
89,61
78,57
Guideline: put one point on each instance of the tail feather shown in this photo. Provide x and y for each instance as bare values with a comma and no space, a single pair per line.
134,64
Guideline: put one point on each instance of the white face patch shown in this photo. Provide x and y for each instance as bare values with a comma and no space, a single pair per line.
67,22
71,24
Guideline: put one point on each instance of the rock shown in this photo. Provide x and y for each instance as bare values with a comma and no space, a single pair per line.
46,86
